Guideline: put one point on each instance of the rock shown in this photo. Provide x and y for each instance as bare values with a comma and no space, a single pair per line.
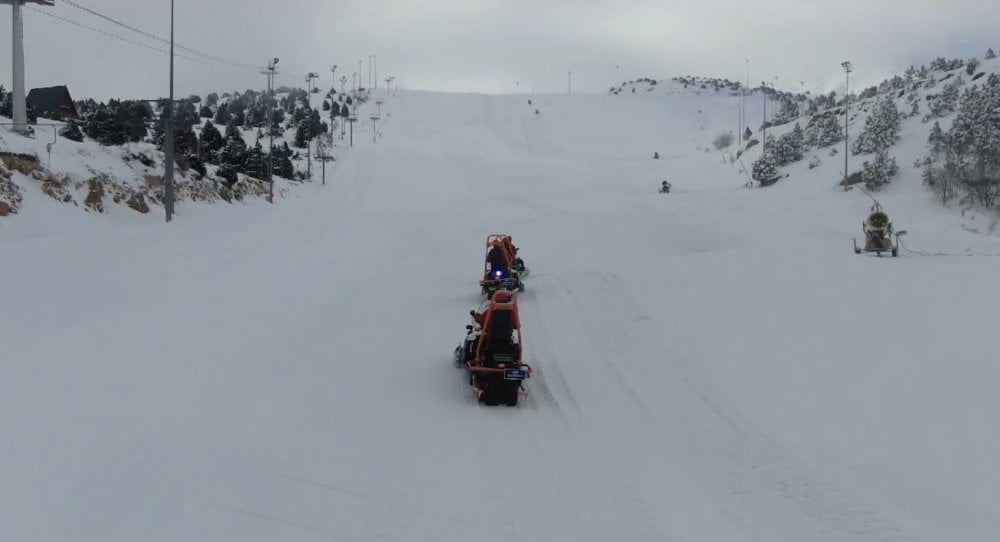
4,208
95,197
138,203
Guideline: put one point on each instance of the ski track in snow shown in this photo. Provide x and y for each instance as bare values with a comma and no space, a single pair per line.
765,492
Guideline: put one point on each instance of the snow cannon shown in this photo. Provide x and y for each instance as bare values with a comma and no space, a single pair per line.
878,234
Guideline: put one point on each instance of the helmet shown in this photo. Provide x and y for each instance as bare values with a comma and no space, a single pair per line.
496,242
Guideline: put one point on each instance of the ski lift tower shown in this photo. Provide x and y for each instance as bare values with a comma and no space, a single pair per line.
20,108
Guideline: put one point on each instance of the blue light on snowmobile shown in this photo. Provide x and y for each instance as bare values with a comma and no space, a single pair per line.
499,273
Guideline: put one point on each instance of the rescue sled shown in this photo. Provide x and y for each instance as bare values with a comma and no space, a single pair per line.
492,353
497,279
879,235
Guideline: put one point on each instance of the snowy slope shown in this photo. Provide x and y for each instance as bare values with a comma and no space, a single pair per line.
713,364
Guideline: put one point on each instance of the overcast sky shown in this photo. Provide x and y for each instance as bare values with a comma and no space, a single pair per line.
493,45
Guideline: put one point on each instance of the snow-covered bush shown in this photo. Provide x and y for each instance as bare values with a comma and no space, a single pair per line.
723,140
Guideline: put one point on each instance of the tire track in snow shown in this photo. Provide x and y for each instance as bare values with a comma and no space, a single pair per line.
611,505
765,492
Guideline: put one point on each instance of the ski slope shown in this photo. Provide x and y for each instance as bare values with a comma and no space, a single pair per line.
711,364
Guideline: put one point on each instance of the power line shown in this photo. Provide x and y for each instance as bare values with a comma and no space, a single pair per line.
116,36
155,37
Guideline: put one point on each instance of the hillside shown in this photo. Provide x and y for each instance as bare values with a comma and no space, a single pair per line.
112,159
901,135
711,364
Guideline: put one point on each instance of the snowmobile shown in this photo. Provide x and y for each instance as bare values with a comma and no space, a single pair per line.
491,353
665,188
507,279
878,234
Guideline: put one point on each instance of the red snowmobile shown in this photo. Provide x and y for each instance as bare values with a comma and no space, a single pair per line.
492,352
502,267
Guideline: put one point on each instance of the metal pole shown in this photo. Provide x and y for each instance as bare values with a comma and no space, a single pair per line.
168,177
20,111
847,106
763,146
375,76
746,94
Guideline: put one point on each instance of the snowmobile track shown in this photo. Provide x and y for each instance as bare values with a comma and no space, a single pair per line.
763,490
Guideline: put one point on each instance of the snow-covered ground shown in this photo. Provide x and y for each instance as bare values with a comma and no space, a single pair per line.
712,364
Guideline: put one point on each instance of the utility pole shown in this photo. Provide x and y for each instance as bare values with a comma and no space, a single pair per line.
763,140
20,108
352,119
375,73
848,67
310,77
333,75
343,84
746,94
359,73
168,175
322,155
269,71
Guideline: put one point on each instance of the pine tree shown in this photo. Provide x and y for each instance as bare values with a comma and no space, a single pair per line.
72,131
944,103
222,115
937,142
302,136
971,65
877,173
6,104
764,170
256,162
211,142
990,55
881,129
234,155
326,105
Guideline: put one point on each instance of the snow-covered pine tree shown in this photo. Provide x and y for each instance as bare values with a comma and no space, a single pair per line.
234,154
302,135
877,173
72,131
990,55
211,142
971,65
222,115
826,130
937,142
256,162
942,104
881,129
764,170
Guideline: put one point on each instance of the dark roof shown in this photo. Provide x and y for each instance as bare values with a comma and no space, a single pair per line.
52,102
